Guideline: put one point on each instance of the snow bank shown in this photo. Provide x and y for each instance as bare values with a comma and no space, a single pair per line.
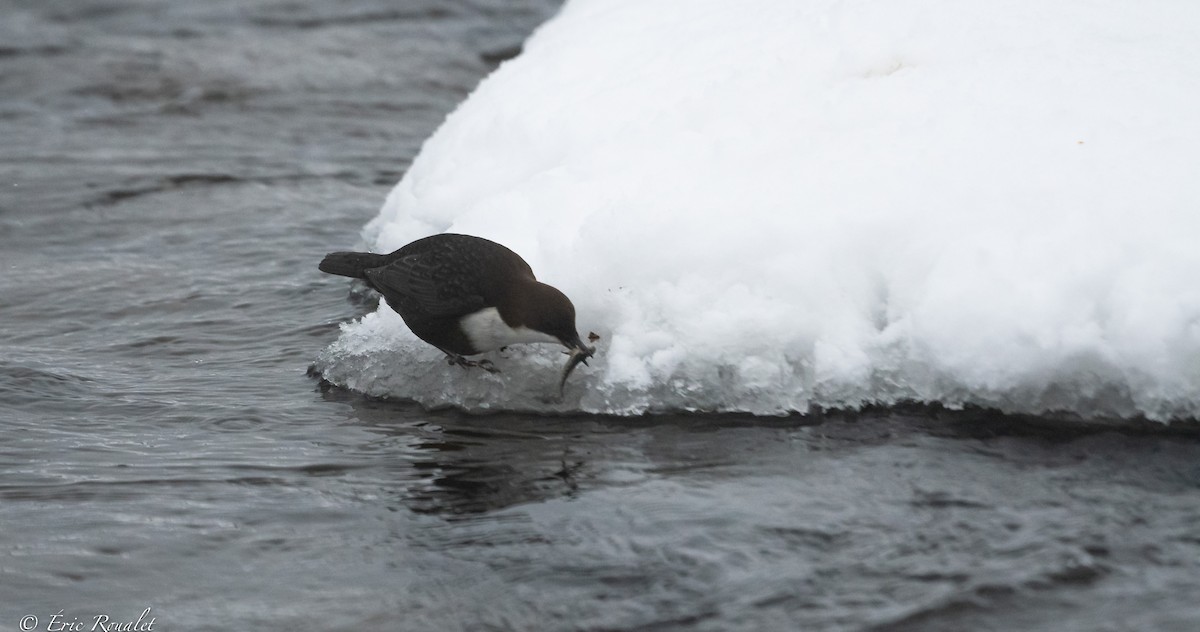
763,206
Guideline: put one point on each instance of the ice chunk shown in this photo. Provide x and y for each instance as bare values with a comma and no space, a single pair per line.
770,205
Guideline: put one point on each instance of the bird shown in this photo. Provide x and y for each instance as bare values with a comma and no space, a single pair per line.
467,295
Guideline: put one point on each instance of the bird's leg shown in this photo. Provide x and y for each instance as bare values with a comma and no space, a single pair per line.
485,364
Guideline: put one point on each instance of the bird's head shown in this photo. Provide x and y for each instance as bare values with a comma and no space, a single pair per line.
552,313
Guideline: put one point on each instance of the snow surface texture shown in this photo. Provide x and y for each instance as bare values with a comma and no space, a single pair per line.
763,206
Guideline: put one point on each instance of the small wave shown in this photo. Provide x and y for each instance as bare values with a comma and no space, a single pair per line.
22,384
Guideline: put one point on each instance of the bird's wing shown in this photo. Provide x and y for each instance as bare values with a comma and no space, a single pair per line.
421,283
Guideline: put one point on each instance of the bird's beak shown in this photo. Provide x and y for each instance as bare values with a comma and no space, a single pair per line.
576,347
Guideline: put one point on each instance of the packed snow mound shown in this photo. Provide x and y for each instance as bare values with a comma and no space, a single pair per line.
766,206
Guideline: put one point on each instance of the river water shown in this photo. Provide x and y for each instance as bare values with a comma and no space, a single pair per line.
171,172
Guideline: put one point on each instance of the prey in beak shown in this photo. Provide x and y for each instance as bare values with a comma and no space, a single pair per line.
579,353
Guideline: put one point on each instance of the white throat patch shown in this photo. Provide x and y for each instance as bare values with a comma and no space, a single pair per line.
486,331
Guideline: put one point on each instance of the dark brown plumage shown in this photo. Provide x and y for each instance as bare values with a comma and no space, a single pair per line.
464,294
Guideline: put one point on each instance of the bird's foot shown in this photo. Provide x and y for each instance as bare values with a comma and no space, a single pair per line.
484,364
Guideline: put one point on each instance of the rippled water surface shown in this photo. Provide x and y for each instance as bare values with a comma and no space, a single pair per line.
171,172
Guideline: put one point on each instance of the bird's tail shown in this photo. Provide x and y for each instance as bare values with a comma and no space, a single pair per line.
351,264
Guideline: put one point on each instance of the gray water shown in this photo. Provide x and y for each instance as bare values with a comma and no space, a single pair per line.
170,173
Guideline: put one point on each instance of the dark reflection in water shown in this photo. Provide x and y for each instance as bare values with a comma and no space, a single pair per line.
458,464
171,171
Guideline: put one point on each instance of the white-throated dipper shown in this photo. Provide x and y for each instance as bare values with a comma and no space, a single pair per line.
466,295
